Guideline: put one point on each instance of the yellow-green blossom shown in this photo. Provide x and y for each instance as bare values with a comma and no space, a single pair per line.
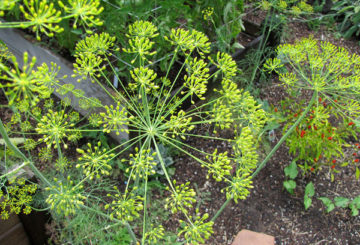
95,162
18,197
181,199
84,12
125,207
43,17
115,119
198,230
64,197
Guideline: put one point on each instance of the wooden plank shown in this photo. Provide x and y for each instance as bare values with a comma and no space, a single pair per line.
12,232
18,45
6,225
35,226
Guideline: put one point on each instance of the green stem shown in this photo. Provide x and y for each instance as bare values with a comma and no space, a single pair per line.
145,208
221,209
21,155
313,99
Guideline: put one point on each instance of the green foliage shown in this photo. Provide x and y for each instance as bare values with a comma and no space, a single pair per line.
342,202
349,13
166,154
290,186
309,193
290,172
89,226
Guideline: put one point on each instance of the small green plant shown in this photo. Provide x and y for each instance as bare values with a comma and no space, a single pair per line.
318,140
309,193
290,172
342,202
167,159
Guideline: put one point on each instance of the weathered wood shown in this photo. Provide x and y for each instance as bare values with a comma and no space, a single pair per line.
34,225
251,28
12,232
18,45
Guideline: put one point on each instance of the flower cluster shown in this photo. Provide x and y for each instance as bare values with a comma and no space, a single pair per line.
207,13
198,230
155,234
115,119
219,166
54,126
188,41
64,197
18,197
95,162
42,16
142,163
181,198
178,125
286,6
83,11
7,5
144,79
126,206
239,187
24,84
226,64
197,81
141,33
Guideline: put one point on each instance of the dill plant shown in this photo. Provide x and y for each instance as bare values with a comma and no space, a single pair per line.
331,116
150,108
317,129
